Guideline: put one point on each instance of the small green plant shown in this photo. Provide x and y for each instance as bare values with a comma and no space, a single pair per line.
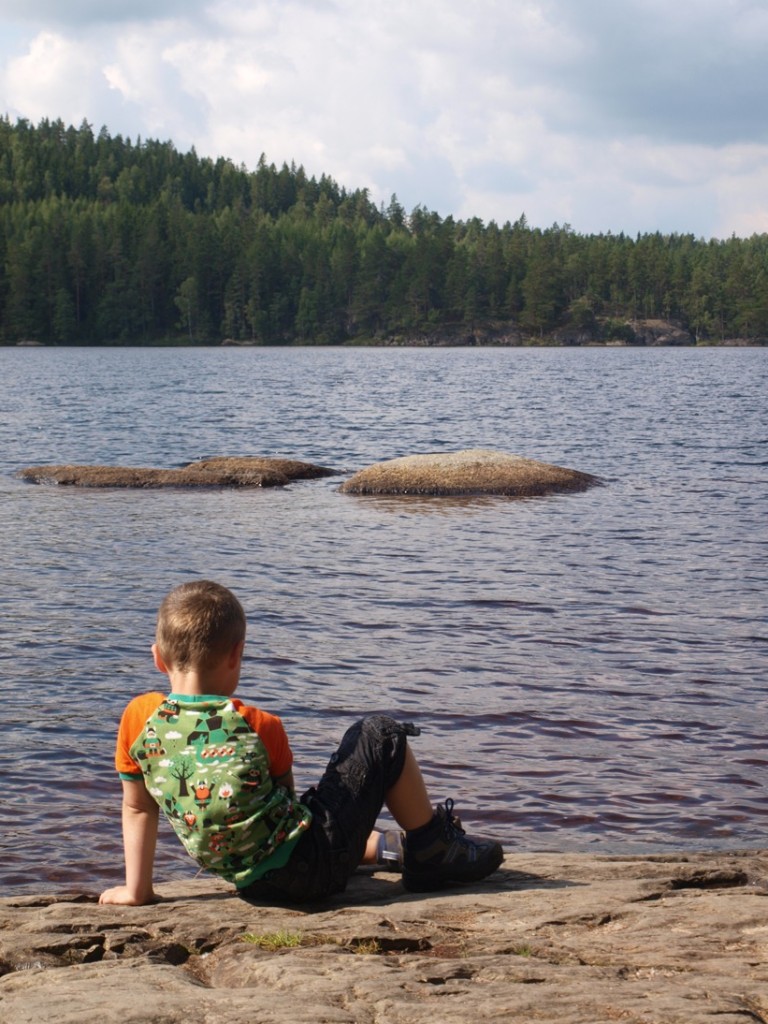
365,947
275,940
522,951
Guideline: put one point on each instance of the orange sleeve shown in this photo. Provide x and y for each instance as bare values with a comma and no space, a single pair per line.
133,721
272,734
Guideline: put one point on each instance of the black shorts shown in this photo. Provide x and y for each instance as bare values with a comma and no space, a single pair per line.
345,805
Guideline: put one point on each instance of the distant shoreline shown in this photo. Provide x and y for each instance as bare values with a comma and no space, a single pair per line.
404,343
603,333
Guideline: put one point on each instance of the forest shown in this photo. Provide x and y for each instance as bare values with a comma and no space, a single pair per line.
106,241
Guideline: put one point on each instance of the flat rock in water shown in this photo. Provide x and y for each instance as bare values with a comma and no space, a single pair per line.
470,472
552,938
223,471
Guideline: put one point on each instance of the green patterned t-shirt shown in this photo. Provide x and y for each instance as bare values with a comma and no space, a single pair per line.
204,762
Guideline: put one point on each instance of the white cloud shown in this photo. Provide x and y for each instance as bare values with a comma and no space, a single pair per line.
142,74
635,116
53,66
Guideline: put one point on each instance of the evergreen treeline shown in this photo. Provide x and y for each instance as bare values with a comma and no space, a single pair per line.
106,241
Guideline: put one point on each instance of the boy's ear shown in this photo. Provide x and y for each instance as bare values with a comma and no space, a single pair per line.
158,659
236,655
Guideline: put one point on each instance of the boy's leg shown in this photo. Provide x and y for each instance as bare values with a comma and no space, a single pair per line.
408,803
372,759
345,805
407,800
436,849
374,765
437,852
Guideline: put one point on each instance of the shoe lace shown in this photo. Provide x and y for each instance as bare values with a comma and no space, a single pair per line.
453,828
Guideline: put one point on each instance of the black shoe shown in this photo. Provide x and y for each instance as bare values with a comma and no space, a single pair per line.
441,853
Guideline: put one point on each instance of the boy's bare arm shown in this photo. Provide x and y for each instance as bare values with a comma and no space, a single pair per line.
140,816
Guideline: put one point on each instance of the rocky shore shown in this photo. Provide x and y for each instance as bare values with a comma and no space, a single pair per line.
567,938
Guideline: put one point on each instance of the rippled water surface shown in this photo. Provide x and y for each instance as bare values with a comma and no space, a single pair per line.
589,670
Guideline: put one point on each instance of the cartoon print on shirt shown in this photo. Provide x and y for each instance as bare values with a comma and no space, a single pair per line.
213,782
169,711
183,767
203,793
153,746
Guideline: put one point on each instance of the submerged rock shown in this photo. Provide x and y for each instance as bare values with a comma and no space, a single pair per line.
469,472
222,471
552,938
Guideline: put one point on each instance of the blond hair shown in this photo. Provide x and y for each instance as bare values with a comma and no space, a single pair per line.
198,624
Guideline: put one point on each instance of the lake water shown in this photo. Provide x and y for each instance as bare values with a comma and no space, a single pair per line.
589,670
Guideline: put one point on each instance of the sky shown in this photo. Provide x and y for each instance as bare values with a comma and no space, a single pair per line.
615,116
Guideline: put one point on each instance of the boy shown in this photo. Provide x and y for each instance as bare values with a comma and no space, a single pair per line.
222,773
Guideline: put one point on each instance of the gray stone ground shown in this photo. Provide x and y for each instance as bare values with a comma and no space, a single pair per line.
573,939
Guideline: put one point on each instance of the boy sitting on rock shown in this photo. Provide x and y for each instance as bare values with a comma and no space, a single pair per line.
221,771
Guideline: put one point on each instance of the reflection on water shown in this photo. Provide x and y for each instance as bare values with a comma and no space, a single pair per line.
588,670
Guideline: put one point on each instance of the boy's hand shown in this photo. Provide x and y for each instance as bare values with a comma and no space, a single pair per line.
122,896
140,814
